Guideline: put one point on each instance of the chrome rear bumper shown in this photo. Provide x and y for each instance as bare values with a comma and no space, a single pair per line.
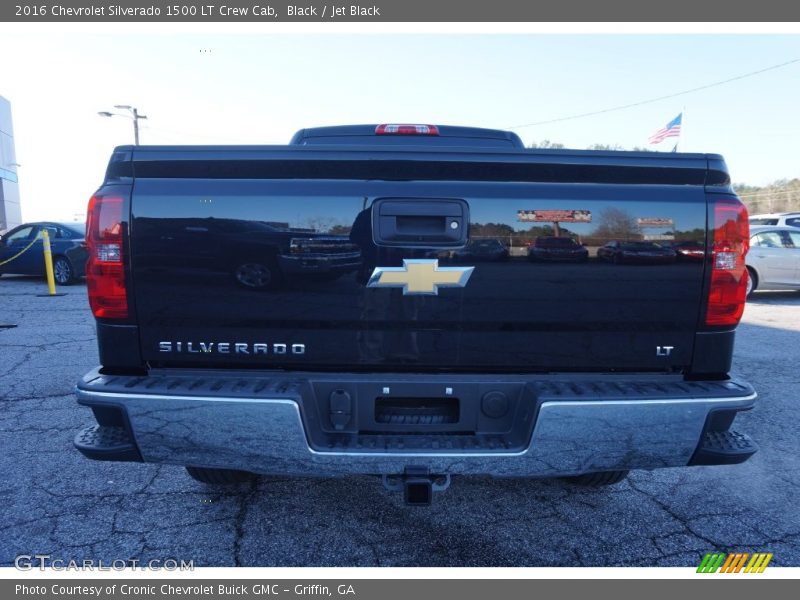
268,435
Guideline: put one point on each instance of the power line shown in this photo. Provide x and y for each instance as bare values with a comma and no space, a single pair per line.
651,100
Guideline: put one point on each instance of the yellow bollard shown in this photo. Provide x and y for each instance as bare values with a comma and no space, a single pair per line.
48,263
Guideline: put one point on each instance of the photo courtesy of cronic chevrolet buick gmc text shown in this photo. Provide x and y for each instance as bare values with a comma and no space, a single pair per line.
320,309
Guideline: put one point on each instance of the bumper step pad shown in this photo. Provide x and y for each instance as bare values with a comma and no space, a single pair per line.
724,448
103,442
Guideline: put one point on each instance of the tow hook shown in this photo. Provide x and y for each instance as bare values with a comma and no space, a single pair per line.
417,485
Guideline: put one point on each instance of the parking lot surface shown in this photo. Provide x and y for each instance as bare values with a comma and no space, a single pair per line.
56,502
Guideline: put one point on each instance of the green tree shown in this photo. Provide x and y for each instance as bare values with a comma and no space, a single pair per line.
547,145
495,230
340,230
782,195
605,147
692,235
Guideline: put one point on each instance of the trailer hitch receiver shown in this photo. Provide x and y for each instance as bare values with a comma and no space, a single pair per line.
417,485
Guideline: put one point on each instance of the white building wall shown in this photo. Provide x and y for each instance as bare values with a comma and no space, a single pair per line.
10,211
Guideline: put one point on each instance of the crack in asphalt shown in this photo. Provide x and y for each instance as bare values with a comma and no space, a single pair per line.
15,366
239,521
40,398
687,522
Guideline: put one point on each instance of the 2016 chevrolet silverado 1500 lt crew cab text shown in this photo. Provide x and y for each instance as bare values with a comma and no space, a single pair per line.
310,309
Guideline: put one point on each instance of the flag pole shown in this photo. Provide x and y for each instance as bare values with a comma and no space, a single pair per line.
680,132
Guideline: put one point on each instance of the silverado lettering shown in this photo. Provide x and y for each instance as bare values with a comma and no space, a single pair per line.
225,347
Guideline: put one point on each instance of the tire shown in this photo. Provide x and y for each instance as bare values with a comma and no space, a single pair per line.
63,272
598,479
219,476
257,275
752,281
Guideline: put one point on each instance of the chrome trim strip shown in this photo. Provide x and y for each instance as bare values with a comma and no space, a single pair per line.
653,401
92,393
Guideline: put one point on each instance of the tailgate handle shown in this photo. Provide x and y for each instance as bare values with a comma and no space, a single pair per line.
420,223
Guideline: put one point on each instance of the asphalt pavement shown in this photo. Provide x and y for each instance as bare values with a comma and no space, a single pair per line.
54,501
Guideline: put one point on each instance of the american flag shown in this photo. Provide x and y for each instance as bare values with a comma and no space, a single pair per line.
672,129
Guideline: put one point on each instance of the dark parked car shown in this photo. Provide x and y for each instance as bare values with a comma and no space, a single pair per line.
487,250
646,253
66,243
557,248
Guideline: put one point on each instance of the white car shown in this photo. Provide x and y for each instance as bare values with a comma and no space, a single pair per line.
773,262
786,218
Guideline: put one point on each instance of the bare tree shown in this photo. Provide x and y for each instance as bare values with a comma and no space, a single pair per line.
616,224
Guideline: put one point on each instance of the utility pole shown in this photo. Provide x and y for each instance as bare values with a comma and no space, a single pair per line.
136,117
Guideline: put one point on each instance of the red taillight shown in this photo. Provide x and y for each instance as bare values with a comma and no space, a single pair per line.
105,271
406,130
731,241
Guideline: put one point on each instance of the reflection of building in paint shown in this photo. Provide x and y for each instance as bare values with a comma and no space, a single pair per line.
10,213
656,223
554,216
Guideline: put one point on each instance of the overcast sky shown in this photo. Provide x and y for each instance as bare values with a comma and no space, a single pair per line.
261,88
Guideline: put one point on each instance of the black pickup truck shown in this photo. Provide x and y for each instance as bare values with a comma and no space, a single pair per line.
309,309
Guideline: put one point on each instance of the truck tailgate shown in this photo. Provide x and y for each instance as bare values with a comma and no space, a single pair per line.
267,263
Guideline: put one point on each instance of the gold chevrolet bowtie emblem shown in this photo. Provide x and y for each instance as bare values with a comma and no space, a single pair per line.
420,276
